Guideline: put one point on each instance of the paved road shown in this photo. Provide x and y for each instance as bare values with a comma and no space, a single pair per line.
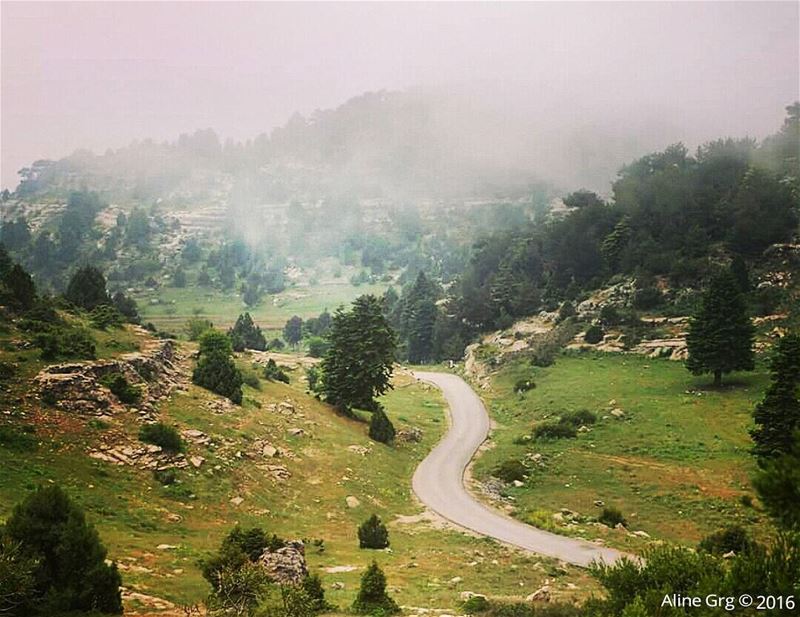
439,482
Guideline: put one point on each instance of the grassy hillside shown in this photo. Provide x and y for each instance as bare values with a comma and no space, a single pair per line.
676,463
158,533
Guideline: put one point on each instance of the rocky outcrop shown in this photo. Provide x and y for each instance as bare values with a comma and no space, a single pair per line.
286,565
77,386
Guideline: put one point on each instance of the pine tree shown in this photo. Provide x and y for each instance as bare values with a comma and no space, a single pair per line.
372,533
372,596
380,426
720,338
20,286
778,486
418,319
215,368
245,334
70,572
358,365
777,416
87,288
293,330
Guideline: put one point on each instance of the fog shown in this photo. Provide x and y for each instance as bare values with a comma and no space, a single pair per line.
568,91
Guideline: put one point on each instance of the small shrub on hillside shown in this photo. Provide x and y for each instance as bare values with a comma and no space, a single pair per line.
523,385
372,533
251,379
555,430
578,418
63,342
165,477
733,538
317,347
593,335
7,370
372,598
312,586
273,372
313,378
475,604
566,311
611,517
127,393
380,427
215,369
163,435
275,344
196,327
104,316
18,439
510,470
238,549
647,298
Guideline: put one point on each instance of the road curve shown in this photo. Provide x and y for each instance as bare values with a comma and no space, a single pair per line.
439,482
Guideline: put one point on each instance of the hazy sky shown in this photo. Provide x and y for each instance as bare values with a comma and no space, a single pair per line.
100,75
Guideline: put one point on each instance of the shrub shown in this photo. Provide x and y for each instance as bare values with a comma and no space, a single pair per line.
566,311
555,430
275,344
17,579
611,517
238,548
7,370
60,342
523,385
18,440
733,538
245,334
70,568
165,477
87,288
238,590
593,335
380,427
251,379
372,533
372,597
313,377
647,298
104,316
163,435
196,327
511,470
127,393
312,586
317,347
476,604
578,418
273,372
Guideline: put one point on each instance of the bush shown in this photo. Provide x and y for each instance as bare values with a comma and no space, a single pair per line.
273,372
380,427
566,311
70,568
523,385
196,327
578,418
372,597
313,378
372,533
593,335
611,517
733,538
317,347
163,435
62,342
127,393
511,470
275,344
165,477
647,298
239,548
87,288
17,578
104,316
555,430
18,440
251,379
312,586
476,604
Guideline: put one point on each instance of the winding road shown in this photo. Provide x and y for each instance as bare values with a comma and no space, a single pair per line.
439,482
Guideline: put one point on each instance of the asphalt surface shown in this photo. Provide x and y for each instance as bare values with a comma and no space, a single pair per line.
439,482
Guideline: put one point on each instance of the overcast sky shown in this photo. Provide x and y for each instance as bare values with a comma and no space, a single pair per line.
100,75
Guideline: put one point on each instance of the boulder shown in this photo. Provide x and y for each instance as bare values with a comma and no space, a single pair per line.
540,595
286,565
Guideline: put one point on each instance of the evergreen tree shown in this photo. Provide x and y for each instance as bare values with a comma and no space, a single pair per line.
720,337
778,486
418,320
245,334
358,365
179,278
6,263
20,287
87,288
372,533
293,330
126,306
215,368
380,426
70,572
372,597
777,416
